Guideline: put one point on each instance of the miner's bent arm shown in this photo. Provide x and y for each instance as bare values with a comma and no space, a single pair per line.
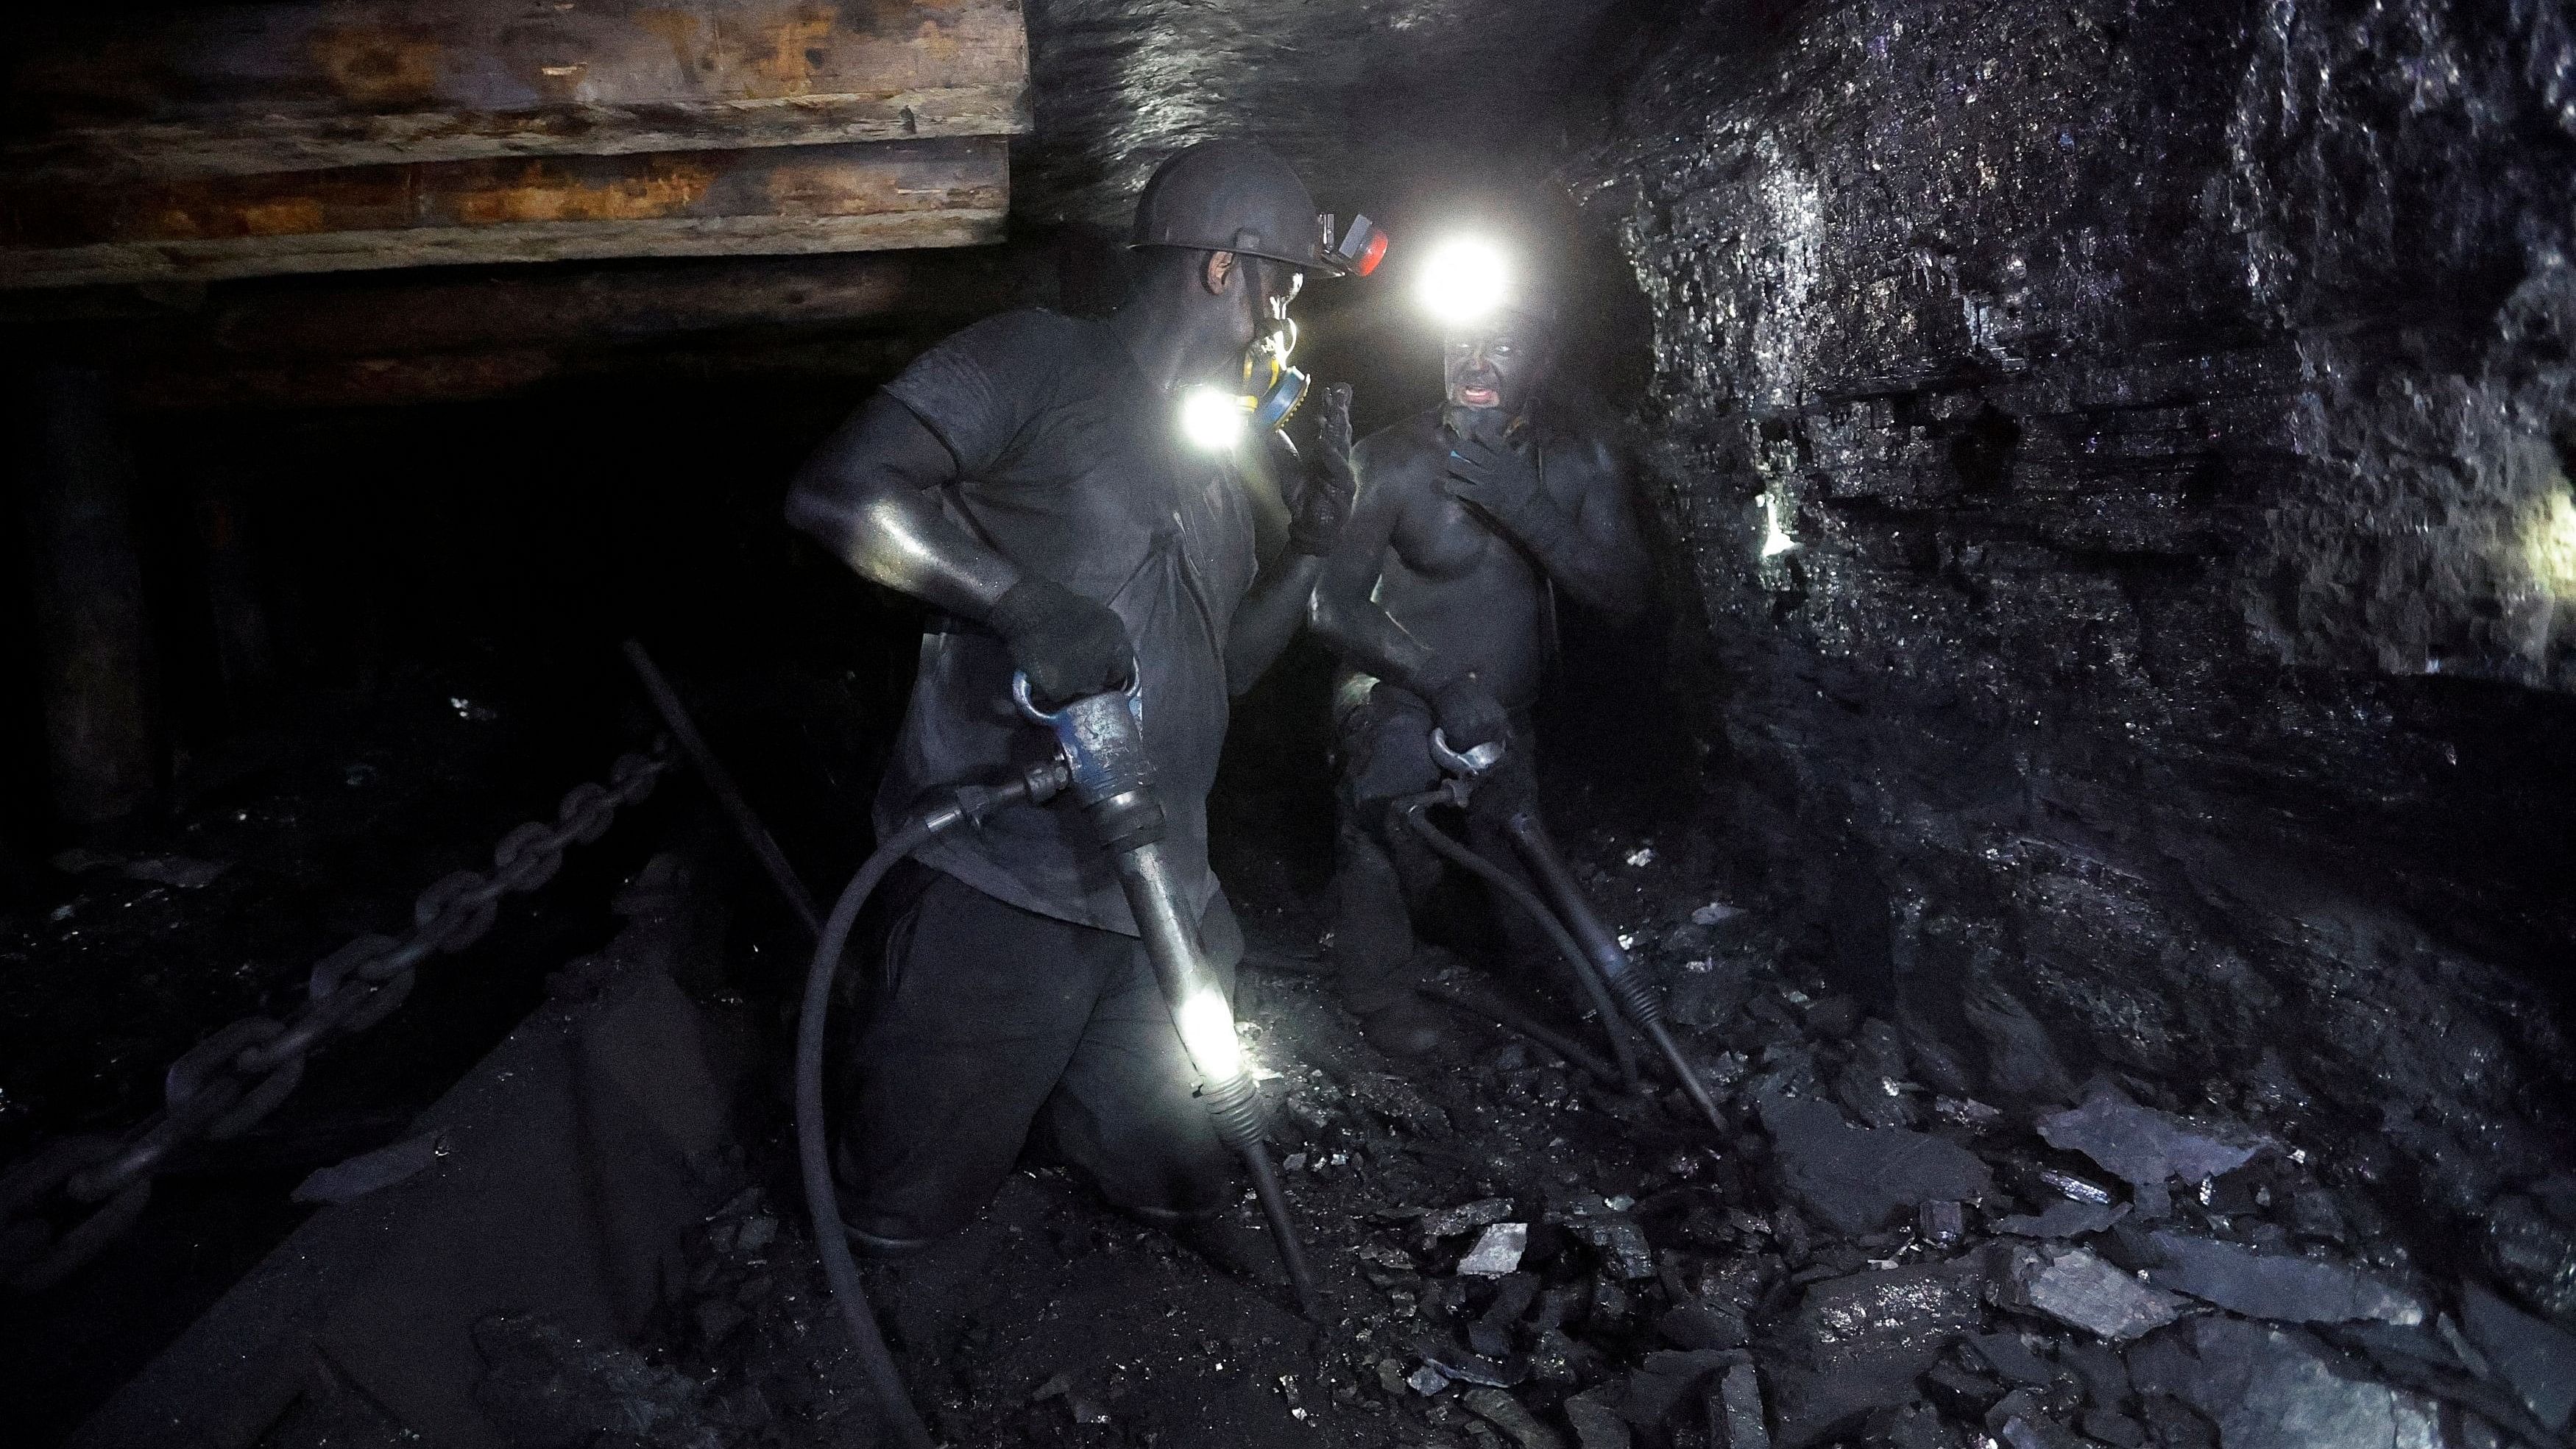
1269,615
1600,558
1344,611
870,495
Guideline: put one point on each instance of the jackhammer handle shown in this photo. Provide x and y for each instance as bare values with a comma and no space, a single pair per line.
1468,763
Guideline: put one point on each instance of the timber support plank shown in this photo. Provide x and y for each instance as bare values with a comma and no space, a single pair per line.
777,200
246,89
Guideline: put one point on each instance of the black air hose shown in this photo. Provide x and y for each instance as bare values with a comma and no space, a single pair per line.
812,1143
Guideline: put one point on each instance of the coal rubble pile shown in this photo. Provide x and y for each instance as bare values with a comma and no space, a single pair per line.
1887,1254
1903,1242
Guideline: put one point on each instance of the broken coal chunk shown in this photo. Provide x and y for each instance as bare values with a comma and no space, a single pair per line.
2021,1062
1505,1413
1450,1222
1738,1420
2063,1220
1858,1343
2099,1368
1611,1232
2011,1358
1858,1179
1456,1363
2274,1388
1596,1424
2075,1189
1961,1390
1967,1112
1395,1100
1427,1380
2531,1241
2275,1286
2109,1426
1497,1252
1555,1357
1703,1325
2536,1359
1941,1222
2077,1288
1668,1377
2141,1145
2020,1422
1916,1426
1870,1095
545,1386
1709,998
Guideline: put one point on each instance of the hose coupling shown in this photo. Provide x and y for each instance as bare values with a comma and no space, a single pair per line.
1236,1107
1636,993
1127,819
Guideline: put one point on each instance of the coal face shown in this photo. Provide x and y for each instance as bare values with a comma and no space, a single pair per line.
2120,449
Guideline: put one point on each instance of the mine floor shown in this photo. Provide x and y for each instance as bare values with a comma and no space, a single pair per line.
1514,1254
1899,1240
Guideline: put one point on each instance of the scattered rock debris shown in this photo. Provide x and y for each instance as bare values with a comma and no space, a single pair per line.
1517,1256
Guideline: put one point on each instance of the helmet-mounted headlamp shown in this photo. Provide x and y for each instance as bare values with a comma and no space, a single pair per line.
1358,250
1464,281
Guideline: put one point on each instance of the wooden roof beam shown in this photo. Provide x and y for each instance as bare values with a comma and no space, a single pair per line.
244,89
794,199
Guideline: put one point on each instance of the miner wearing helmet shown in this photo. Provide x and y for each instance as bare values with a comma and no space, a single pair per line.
1030,480
1441,599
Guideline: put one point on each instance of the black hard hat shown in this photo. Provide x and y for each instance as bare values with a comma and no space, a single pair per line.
1233,196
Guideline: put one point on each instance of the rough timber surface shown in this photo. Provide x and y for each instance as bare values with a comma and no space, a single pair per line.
215,89
803,199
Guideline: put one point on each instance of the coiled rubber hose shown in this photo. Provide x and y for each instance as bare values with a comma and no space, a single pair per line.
812,1143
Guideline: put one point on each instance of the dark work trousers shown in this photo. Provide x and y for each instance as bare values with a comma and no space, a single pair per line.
1384,878
985,1020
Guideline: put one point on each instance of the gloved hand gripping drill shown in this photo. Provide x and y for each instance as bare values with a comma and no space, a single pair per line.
1102,738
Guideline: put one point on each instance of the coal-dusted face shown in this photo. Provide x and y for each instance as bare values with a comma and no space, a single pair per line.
1497,364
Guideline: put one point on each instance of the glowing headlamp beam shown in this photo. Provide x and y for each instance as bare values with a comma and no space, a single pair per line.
1463,280
1212,420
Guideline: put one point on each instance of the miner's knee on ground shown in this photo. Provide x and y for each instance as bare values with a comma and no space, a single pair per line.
986,1025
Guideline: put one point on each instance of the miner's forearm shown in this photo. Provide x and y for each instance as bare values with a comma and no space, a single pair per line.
895,535
1600,561
1268,618
1368,638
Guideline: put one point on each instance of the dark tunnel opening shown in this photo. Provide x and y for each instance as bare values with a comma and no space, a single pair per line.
2084,801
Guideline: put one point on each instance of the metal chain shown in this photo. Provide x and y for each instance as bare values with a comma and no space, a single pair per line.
226,1083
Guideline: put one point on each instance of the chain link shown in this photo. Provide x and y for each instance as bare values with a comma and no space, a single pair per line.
229,1081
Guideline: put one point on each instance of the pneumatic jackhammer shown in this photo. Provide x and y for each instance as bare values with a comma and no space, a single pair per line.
1103,742
1599,962
1101,759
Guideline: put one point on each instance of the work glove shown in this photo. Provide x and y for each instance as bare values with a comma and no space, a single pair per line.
1066,644
1331,482
1501,482
1468,712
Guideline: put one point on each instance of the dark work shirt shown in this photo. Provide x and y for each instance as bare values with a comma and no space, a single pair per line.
1071,465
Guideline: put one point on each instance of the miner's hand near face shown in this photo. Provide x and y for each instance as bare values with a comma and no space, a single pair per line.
1441,599
1029,480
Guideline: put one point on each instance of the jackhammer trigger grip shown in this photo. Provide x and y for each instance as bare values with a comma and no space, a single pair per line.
1029,710
1470,763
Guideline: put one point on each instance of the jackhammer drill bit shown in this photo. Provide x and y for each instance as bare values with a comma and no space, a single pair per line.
1102,738
1636,993
1599,961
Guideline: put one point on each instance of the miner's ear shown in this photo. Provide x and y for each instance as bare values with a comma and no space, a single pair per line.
1220,266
